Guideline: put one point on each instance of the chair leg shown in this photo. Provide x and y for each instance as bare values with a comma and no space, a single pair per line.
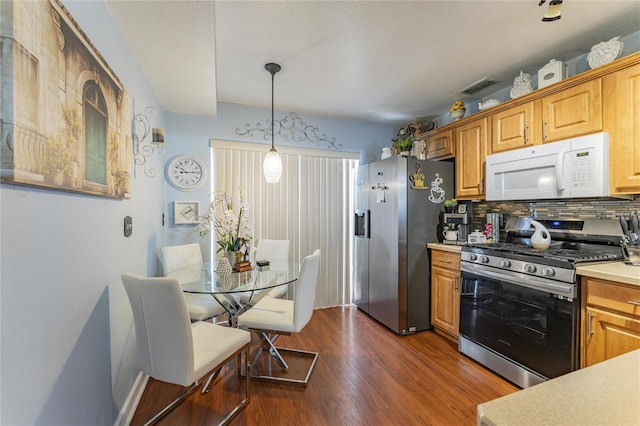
244,354
213,376
166,410
267,342
273,351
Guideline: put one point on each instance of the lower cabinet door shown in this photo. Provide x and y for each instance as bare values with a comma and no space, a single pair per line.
608,335
445,297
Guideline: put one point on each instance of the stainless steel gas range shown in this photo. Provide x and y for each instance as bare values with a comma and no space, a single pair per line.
520,306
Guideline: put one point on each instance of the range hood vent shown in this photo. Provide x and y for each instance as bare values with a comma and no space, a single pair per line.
477,86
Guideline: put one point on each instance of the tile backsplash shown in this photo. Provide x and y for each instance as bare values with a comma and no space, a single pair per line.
584,208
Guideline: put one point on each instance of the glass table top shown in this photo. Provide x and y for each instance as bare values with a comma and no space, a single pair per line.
204,280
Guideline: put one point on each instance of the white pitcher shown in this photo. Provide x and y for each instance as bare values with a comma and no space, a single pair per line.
418,150
540,238
387,152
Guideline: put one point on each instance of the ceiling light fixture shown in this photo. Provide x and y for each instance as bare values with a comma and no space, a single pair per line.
272,165
553,11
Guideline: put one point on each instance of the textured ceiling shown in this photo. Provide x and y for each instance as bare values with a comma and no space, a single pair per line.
383,61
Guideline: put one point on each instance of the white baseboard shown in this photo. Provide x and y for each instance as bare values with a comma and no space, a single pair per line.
133,399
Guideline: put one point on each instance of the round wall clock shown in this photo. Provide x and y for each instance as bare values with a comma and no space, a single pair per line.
186,172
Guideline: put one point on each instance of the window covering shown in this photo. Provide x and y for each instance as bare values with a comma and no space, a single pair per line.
310,206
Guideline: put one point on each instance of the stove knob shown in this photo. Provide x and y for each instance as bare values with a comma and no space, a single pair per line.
472,256
548,272
484,259
529,268
505,263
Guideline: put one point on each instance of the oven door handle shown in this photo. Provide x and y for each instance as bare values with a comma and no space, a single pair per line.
567,290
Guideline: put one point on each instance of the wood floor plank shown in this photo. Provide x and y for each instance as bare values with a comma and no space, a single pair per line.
366,375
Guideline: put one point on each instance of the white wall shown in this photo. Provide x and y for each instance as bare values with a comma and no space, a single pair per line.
66,324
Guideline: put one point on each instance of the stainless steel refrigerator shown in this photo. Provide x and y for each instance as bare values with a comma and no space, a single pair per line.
397,209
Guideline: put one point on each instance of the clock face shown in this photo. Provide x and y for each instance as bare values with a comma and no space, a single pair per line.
186,172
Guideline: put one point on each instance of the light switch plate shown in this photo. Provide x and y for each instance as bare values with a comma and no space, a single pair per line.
128,226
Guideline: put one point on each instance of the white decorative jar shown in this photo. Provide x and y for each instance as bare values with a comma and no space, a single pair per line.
605,52
457,114
223,267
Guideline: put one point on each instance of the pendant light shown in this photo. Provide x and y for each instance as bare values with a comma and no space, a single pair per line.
272,165
553,12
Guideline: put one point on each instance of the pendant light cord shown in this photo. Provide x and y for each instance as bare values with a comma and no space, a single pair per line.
273,75
273,68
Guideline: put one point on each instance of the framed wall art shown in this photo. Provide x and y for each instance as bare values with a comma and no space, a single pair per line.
65,115
186,212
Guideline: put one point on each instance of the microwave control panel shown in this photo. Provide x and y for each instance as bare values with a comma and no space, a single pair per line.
582,168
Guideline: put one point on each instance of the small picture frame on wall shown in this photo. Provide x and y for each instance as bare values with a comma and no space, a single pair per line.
186,212
462,208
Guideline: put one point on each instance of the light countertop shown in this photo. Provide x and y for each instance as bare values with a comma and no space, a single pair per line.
607,393
445,247
613,271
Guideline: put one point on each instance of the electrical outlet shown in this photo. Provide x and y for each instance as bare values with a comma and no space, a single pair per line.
128,226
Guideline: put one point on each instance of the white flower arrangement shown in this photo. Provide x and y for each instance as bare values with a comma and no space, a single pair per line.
232,227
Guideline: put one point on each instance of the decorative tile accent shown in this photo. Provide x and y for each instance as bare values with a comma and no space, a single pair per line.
586,208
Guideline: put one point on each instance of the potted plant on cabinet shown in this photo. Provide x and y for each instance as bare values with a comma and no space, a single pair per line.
404,145
404,142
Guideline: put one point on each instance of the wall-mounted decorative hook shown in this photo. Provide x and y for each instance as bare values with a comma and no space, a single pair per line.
142,148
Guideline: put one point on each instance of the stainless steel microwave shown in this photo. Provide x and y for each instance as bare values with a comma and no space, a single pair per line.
573,168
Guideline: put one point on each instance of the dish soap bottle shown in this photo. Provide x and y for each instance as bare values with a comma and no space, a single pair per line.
540,238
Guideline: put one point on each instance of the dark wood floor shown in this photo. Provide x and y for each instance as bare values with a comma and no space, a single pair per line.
366,375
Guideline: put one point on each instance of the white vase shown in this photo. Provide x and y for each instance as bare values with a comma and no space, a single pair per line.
457,114
223,268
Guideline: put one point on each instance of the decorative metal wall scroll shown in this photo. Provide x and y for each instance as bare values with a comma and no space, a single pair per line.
141,149
291,128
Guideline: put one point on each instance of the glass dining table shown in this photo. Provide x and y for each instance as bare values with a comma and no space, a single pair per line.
239,291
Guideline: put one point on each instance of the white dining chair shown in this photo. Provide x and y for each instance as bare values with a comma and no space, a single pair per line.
201,306
274,251
273,316
171,349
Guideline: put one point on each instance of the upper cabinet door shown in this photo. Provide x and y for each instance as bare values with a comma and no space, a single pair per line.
622,121
471,155
575,111
440,144
513,128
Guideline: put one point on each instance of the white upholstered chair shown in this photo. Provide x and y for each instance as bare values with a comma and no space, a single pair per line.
274,251
201,306
172,349
272,316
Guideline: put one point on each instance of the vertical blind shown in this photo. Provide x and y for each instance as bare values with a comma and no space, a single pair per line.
310,206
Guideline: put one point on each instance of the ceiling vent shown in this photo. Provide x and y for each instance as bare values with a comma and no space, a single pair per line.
477,86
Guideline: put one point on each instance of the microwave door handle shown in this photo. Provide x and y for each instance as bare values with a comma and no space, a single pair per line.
560,171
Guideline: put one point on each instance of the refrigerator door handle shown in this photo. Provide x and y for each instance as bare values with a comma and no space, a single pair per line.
367,224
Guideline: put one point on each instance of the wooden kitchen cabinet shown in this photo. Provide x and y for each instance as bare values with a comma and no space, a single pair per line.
439,144
513,128
572,112
445,292
622,121
471,152
610,320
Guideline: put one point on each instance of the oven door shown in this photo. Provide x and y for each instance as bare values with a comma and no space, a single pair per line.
534,328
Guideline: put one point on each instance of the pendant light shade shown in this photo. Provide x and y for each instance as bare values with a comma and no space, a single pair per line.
272,165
